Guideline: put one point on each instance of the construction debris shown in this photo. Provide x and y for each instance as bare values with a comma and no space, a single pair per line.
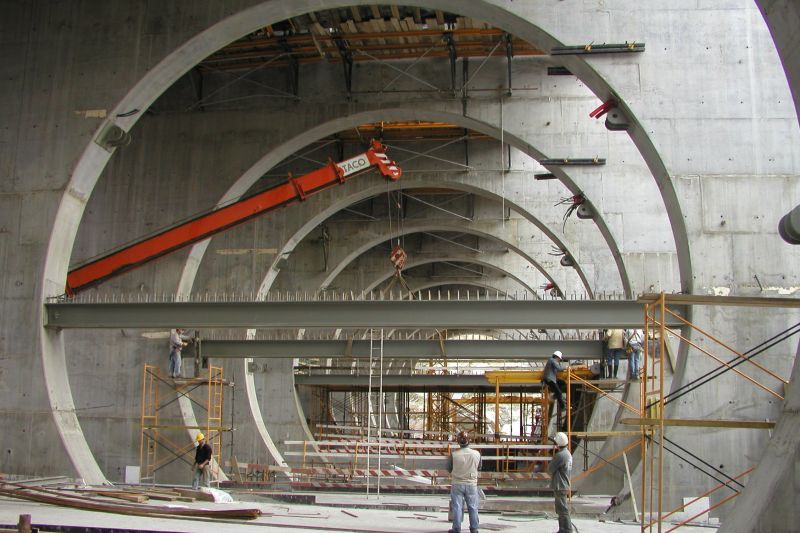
95,503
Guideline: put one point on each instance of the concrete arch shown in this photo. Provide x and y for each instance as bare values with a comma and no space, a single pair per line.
416,113
362,194
142,95
454,258
286,149
382,237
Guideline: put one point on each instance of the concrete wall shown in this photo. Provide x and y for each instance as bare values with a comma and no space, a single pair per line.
689,198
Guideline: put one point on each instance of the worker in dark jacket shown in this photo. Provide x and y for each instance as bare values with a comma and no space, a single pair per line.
560,469
201,466
550,377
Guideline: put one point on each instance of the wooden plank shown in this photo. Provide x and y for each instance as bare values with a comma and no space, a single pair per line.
700,422
236,472
127,496
376,25
606,434
164,496
195,494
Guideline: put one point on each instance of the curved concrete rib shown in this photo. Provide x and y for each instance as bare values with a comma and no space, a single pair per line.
366,245
160,78
386,276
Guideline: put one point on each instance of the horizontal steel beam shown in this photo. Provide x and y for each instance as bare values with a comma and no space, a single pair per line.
412,383
454,349
455,314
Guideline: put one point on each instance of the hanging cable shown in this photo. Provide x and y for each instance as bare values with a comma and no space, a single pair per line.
502,166
574,203
733,363
712,467
712,476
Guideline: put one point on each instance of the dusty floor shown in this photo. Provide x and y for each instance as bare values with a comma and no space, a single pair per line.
384,514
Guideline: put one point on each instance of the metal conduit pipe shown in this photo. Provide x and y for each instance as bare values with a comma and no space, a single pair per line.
789,226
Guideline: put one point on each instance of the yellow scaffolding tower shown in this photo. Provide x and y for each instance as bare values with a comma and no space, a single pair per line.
654,399
155,434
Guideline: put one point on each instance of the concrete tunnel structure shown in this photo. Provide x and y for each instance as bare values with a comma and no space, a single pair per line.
116,124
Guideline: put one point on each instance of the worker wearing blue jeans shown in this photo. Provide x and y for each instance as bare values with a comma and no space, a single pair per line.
616,349
463,465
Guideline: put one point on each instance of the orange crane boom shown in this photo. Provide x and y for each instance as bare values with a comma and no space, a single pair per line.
208,224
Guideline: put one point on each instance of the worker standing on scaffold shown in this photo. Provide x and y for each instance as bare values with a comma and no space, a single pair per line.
177,342
550,377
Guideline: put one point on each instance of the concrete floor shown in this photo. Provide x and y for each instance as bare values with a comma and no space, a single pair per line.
399,514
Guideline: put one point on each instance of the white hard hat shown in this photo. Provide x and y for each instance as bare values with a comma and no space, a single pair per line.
560,439
558,354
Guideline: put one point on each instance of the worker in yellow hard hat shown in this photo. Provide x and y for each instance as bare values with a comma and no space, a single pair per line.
202,458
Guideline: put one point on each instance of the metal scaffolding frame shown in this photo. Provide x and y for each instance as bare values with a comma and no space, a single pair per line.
155,435
653,441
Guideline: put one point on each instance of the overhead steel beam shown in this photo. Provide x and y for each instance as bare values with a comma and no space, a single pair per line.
455,314
453,349
414,383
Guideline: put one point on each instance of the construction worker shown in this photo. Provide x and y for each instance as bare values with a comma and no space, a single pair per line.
635,340
550,377
176,343
463,465
202,458
616,349
560,469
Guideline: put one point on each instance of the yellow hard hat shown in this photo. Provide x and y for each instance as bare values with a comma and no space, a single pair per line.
200,437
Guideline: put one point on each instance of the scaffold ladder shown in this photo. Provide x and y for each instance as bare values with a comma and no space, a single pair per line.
375,363
214,422
148,443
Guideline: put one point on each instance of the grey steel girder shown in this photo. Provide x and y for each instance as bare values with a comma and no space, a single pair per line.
457,314
414,383
413,348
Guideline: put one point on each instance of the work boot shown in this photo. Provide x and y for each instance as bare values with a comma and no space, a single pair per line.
453,531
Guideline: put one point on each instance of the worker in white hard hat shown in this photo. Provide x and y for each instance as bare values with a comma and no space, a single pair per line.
550,377
560,469
202,458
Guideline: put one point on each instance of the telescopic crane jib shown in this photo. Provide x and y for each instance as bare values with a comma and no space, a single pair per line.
295,189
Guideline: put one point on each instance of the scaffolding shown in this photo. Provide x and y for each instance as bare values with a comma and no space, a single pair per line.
158,394
654,399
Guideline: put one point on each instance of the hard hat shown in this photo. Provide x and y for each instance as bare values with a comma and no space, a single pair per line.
560,439
462,438
558,354
200,437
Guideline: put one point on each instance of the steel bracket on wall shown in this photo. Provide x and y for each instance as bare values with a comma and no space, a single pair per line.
447,37
592,48
508,38
293,65
347,61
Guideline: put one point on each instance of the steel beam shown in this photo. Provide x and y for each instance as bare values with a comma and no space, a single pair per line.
454,314
413,383
453,349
